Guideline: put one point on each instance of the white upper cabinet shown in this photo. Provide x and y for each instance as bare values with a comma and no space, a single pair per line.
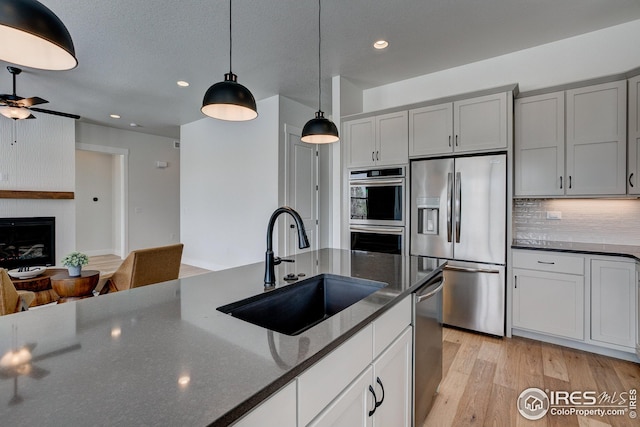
539,145
377,141
572,143
597,139
469,125
633,181
480,123
431,130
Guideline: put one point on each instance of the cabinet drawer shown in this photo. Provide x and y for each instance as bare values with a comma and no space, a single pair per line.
391,324
321,383
548,261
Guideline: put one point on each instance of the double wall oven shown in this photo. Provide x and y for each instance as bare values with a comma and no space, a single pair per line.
377,211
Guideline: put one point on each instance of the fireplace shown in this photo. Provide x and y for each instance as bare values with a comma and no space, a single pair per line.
26,242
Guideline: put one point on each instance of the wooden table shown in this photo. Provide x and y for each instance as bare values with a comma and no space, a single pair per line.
73,288
40,285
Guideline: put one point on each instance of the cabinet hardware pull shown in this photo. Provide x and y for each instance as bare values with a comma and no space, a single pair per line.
515,282
456,140
382,387
373,154
630,183
375,401
449,140
377,155
546,262
569,181
561,183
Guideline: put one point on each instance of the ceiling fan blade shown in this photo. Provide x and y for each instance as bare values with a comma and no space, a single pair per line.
55,113
28,102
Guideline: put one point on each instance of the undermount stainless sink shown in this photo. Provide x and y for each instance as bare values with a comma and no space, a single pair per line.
293,309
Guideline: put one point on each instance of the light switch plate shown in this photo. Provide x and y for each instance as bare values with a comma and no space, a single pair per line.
554,215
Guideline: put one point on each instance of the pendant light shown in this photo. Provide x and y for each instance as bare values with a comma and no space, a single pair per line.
319,130
229,100
33,36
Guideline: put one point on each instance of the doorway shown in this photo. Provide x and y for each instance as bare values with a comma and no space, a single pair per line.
101,200
301,189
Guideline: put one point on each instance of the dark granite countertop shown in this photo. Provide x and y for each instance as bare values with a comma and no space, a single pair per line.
628,251
163,354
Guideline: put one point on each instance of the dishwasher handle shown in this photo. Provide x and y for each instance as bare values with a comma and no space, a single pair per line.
421,296
472,270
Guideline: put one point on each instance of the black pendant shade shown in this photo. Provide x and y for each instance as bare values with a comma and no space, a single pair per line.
320,130
33,36
229,100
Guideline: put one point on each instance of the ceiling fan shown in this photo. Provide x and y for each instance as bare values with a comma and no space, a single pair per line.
18,108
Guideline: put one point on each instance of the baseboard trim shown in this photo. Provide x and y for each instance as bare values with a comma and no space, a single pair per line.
99,252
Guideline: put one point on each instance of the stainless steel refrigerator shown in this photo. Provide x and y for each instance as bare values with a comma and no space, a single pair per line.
458,213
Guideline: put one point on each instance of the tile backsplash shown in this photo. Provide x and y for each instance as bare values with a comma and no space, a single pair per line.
583,220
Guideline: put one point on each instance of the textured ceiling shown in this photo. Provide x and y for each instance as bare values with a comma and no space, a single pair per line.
132,52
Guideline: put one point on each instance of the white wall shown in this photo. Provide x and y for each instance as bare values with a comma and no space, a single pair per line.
229,188
94,179
43,158
600,53
153,208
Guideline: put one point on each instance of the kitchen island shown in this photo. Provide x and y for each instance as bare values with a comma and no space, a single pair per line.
163,354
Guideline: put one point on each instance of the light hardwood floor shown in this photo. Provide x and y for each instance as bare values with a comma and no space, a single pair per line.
109,263
483,376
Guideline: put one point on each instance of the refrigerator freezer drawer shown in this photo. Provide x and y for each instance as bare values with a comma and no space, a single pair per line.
474,297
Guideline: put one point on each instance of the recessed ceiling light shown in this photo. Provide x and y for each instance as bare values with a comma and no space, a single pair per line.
381,44
182,83
134,125
114,116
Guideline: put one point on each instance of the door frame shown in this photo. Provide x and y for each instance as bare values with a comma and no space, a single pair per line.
291,129
123,156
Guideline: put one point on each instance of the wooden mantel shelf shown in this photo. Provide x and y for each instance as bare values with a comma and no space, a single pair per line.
16,194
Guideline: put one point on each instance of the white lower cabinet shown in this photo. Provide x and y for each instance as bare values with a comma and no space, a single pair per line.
277,411
551,303
379,396
369,373
593,300
613,302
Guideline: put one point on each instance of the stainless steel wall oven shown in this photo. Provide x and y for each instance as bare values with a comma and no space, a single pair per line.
377,210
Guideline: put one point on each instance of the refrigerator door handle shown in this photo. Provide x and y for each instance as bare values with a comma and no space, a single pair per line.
458,206
449,189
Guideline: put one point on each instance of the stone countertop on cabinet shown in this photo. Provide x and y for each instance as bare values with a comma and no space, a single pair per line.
628,251
163,354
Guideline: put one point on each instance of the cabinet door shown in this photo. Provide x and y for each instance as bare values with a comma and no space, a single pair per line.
480,123
551,303
392,383
360,142
278,411
633,181
539,145
431,130
597,139
613,295
392,140
351,407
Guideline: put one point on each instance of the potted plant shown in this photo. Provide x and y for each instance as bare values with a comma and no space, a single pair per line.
74,262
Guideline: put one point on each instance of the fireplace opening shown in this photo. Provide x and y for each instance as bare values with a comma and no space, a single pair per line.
27,242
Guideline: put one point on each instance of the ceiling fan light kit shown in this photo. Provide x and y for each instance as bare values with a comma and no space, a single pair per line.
229,100
15,113
319,130
33,36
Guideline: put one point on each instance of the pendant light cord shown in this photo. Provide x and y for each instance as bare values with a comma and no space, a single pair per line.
230,38
319,59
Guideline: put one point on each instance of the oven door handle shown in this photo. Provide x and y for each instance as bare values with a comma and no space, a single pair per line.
376,182
398,231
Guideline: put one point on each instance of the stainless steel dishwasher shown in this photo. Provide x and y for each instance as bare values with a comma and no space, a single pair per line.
427,347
